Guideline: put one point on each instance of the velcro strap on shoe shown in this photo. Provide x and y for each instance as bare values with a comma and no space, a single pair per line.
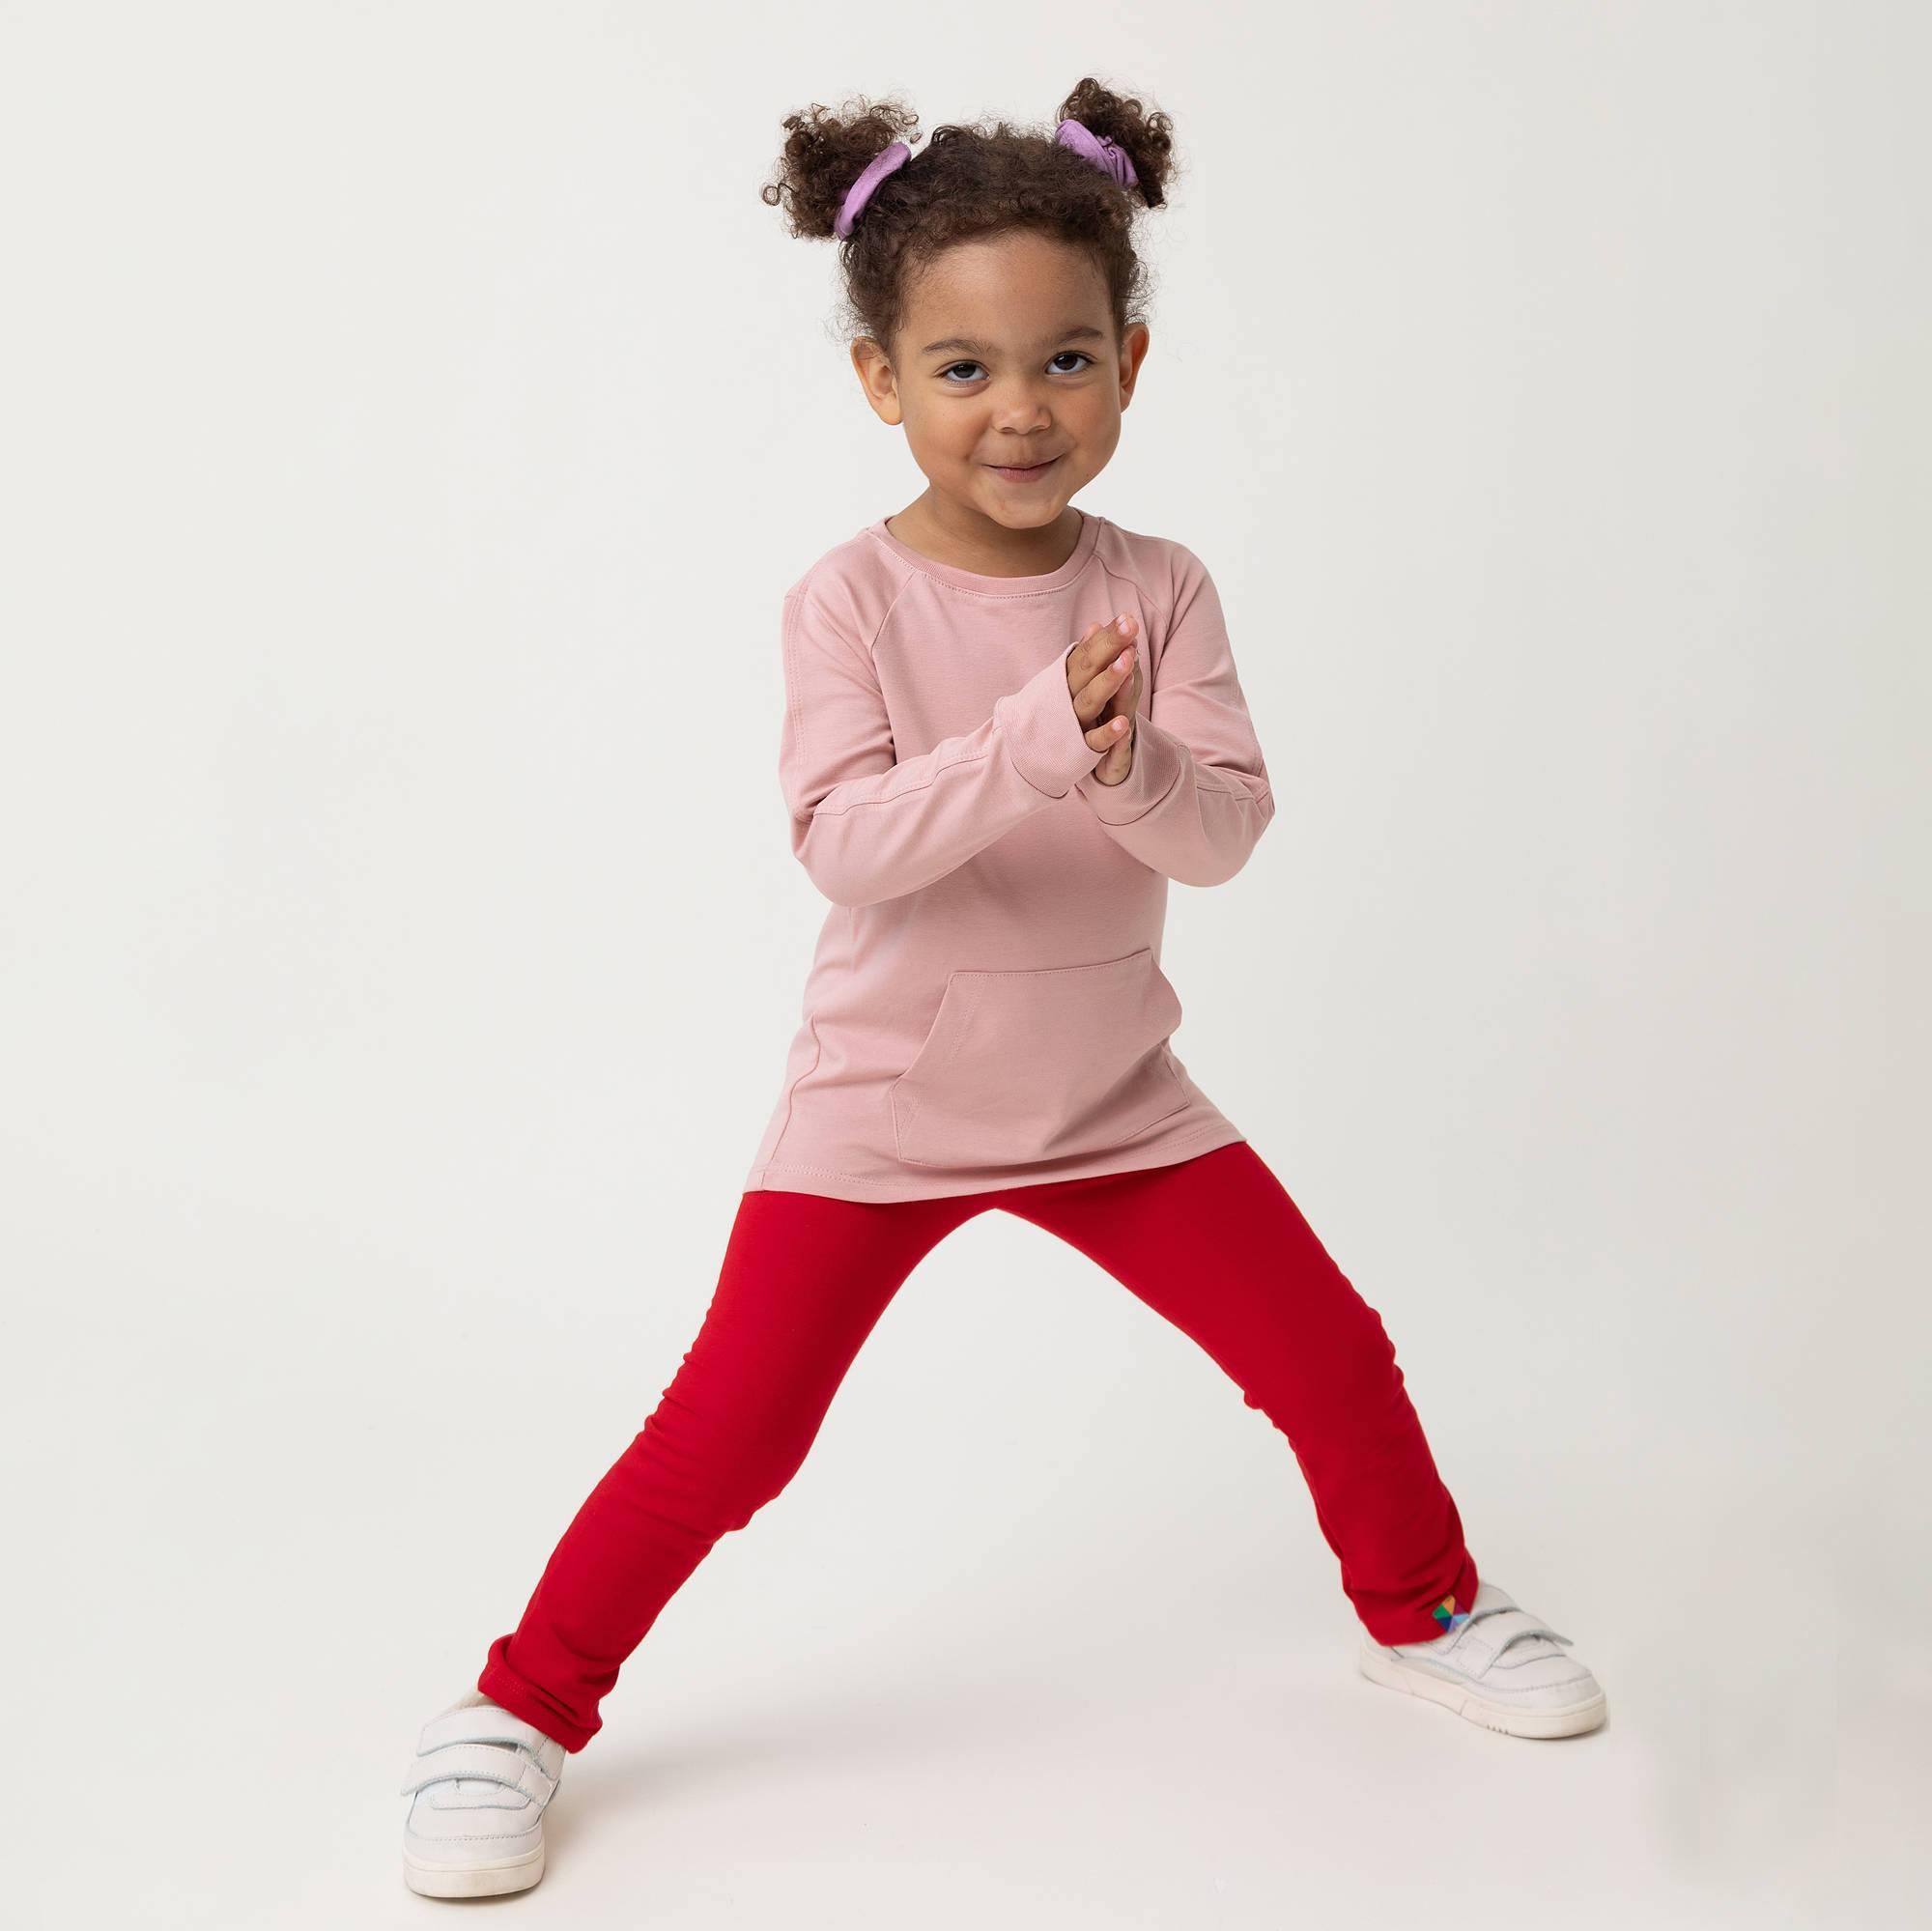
509,1768
485,1723
1492,1631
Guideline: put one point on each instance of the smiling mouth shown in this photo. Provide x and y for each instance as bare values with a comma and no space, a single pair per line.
1023,471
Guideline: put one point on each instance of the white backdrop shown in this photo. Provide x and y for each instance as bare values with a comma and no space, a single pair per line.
411,417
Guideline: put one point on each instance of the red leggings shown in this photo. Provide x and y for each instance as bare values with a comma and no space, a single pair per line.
1213,1243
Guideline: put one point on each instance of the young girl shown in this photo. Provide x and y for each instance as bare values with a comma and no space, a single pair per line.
1009,724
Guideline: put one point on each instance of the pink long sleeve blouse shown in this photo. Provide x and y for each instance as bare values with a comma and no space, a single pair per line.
985,1005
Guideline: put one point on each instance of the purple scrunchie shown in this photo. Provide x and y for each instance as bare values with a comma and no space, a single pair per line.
1105,154
1108,157
895,155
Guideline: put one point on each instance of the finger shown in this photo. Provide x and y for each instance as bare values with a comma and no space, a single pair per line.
1127,699
1115,765
1109,629
1099,690
1095,647
1100,645
1104,736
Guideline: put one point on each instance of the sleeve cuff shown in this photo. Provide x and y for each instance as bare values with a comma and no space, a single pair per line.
1156,770
1042,733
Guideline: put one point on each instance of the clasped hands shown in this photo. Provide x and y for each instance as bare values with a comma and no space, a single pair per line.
1104,681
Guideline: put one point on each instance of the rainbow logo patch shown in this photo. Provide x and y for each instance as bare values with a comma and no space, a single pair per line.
1447,1615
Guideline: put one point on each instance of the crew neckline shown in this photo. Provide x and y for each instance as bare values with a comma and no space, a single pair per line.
998,586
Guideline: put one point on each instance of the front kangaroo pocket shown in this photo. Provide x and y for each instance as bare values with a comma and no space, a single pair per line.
1039,1065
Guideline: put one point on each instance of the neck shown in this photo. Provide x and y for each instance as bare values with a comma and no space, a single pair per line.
962,537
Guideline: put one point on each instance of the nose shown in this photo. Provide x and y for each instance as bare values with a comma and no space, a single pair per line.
1021,404
1021,410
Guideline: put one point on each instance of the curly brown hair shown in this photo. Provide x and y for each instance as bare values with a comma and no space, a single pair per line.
966,182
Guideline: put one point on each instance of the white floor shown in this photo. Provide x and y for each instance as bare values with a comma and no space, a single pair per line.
1043,1634
1160,1758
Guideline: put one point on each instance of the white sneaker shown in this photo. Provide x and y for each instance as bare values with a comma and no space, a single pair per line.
1498,1665
477,1786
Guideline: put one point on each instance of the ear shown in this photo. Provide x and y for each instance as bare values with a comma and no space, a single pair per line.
1133,353
878,379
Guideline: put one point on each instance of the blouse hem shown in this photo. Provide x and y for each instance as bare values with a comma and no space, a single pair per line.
778,1177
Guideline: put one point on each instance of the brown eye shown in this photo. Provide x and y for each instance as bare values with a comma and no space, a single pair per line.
1063,354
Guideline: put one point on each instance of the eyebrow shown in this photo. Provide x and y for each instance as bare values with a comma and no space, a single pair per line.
1080,331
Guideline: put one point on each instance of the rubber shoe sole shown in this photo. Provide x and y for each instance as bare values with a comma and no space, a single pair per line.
433,1879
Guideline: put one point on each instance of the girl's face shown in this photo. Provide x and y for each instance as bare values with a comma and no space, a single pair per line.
1007,379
